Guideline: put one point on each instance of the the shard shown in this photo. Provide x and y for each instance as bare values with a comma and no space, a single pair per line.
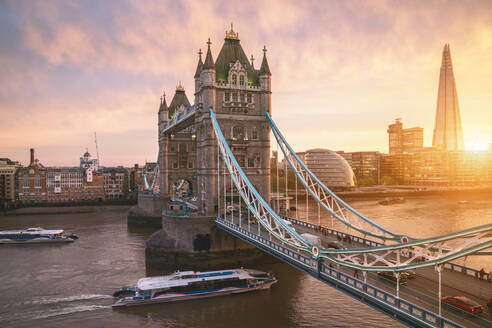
448,133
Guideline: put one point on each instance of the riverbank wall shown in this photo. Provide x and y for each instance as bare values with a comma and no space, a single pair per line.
383,192
45,210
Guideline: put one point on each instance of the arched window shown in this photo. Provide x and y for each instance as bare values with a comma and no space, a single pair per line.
254,133
234,79
238,133
241,79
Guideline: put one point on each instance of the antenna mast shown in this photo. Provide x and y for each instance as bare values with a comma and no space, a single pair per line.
97,150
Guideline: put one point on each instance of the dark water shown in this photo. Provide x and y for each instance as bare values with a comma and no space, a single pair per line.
70,284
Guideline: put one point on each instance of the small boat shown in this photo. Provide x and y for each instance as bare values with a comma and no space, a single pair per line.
190,285
35,235
392,200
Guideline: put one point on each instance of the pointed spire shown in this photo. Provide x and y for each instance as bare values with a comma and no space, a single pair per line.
264,69
163,105
164,99
199,67
209,62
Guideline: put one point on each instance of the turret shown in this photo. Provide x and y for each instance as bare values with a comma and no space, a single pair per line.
266,81
265,74
208,70
199,69
163,112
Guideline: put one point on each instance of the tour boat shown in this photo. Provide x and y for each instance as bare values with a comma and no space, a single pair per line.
189,285
35,235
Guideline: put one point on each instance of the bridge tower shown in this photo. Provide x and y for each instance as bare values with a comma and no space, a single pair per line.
163,117
240,96
176,150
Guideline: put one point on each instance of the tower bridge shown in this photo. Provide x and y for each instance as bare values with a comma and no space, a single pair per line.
221,146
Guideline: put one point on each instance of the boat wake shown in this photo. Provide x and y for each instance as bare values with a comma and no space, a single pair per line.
75,298
70,310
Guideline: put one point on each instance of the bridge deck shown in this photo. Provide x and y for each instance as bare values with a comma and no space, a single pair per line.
421,291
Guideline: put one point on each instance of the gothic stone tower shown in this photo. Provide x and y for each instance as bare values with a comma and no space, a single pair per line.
240,96
176,151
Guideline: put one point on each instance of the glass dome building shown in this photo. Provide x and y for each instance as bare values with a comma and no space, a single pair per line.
332,169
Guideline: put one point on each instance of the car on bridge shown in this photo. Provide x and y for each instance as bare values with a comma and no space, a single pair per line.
410,274
335,245
391,277
463,303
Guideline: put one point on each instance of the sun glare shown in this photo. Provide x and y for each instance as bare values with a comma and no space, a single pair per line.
477,145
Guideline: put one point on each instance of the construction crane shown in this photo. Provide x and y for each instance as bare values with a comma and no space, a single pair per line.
97,149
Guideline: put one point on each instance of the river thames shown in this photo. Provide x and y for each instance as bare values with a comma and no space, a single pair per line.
71,284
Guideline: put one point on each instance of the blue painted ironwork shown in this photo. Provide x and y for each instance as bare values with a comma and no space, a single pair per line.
327,198
405,311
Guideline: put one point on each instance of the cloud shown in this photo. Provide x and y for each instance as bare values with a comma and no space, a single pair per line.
69,68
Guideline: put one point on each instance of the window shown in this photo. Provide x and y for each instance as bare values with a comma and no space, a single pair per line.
250,99
234,96
172,147
37,182
234,79
227,96
254,133
190,164
241,160
242,97
175,165
238,133
251,162
241,79
26,182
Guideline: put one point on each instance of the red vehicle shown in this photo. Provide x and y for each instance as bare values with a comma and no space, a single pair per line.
463,303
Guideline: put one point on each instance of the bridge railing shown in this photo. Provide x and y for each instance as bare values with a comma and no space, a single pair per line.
324,272
380,295
360,240
468,271
371,243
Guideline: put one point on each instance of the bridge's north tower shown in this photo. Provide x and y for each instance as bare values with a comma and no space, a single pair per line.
240,95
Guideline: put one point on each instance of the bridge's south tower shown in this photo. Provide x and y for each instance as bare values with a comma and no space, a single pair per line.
240,96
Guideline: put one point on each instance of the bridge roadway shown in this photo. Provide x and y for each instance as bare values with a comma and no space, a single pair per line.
422,290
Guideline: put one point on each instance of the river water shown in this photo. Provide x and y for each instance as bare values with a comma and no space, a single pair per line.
61,285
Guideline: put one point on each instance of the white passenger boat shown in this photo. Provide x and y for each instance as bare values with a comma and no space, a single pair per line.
35,235
189,285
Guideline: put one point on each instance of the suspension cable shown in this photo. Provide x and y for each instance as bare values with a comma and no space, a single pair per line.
286,188
277,198
218,181
297,218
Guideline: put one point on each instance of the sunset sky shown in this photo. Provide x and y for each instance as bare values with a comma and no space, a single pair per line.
341,70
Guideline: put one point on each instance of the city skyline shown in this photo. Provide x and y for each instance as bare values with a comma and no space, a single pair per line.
69,71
